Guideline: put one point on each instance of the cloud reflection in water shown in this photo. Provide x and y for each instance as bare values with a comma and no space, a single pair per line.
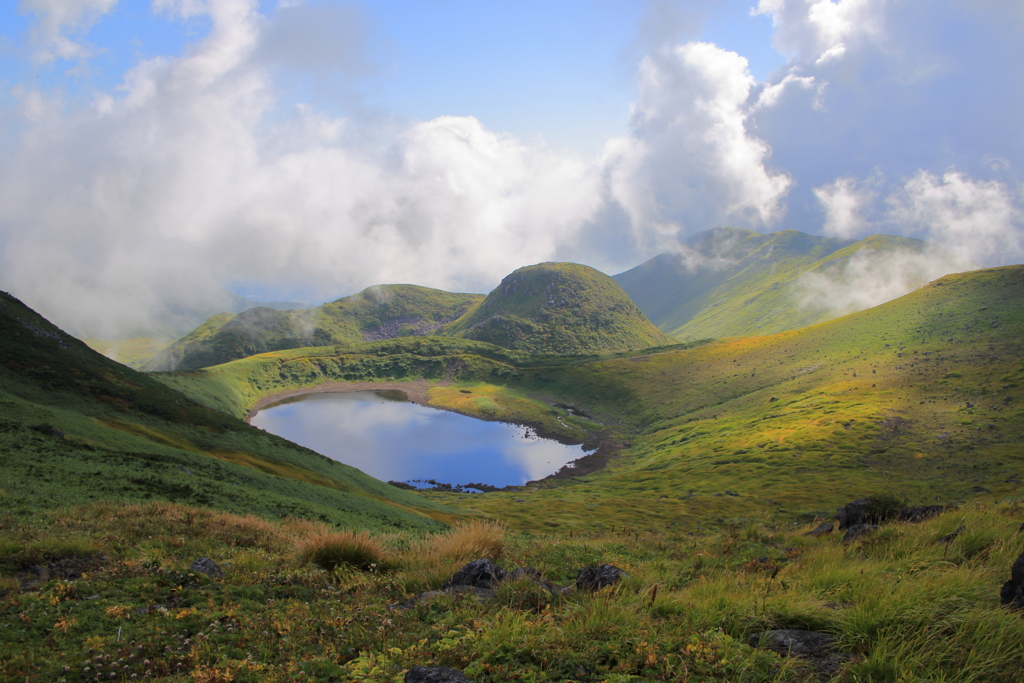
398,440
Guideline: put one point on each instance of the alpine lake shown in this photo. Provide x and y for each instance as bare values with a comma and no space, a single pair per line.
393,439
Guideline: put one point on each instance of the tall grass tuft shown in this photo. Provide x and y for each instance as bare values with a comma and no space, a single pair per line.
438,556
332,549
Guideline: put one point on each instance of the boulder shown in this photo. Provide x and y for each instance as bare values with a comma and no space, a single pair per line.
852,513
205,565
434,674
478,573
594,578
1012,592
810,645
921,513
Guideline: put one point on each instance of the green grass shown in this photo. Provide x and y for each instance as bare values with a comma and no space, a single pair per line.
558,308
376,313
904,607
754,286
77,427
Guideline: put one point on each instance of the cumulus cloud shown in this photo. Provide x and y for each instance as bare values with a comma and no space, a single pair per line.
844,202
964,223
691,162
55,19
179,183
820,30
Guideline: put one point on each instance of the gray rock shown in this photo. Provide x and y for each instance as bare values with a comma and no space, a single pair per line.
852,513
921,513
434,674
205,565
858,530
594,578
810,645
1012,592
478,573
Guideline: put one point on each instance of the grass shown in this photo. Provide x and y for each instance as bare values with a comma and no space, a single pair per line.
905,607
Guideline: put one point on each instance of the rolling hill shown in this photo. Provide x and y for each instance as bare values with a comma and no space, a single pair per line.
729,282
78,427
376,313
558,309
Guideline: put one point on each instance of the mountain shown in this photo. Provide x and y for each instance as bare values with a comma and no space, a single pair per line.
558,309
169,322
76,427
378,312
729,282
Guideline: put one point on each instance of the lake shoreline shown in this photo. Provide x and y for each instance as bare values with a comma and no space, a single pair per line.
417,391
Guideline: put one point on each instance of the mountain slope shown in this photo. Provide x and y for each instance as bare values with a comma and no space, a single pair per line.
76,426
729,282
558,309
379,312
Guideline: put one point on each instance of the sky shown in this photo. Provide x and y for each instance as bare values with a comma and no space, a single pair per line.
154,154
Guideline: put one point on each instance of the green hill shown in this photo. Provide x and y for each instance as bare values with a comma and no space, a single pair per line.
558,309
78,427
379,312
729,282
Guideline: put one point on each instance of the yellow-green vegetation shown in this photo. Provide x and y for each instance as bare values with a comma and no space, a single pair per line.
922,394
120,602
729,282
77,427
378,312
558,308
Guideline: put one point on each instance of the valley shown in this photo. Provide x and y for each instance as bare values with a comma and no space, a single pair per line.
719,461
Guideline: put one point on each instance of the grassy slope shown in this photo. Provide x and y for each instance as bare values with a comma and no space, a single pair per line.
558,308
921,396
379,312
906,607
77,426
753,288
798,422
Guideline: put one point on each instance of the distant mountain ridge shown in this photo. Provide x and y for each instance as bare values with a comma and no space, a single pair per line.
376,313
730,282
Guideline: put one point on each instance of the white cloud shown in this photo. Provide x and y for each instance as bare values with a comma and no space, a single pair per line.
820,30
844,204
771,92
691,162
55,19
976,218
183,183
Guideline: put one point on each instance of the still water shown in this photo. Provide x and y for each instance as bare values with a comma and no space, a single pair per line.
392,439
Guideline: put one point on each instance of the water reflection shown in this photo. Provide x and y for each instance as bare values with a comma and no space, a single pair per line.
394,439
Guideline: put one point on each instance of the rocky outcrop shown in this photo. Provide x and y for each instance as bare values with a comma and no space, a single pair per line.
818,648
594,578
1012,592
478,574
434,674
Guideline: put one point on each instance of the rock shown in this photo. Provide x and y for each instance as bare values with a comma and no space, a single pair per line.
594,578
816,647
481,594
205,565
478,573
1012,592
35,576
434,674
919,514
948,538
821,529
858,530
853,513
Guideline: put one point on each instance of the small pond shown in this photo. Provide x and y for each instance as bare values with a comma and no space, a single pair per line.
393,439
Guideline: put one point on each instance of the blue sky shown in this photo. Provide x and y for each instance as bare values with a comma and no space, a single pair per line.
155,152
